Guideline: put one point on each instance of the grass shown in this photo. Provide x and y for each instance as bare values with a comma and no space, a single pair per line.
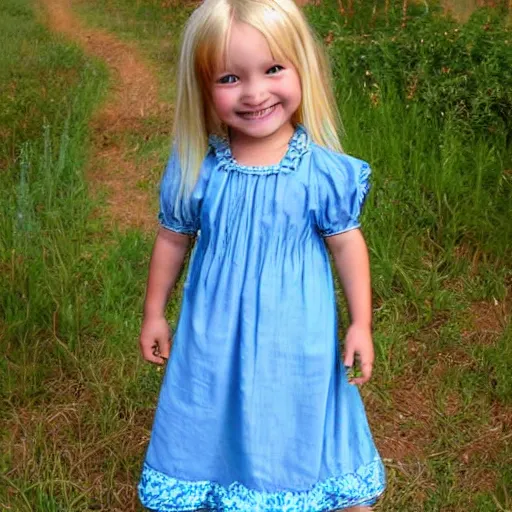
428,105
64,290
155,27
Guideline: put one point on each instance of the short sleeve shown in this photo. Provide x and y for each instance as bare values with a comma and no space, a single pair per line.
176,213
342,190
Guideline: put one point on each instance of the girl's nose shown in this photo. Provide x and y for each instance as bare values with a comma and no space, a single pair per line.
254,93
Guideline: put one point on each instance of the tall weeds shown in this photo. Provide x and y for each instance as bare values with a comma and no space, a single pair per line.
429,105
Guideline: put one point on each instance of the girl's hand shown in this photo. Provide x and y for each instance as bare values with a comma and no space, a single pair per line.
155,340
359,342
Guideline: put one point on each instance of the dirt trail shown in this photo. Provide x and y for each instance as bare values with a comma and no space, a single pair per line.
133,97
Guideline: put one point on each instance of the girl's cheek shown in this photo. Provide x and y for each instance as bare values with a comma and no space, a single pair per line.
222,101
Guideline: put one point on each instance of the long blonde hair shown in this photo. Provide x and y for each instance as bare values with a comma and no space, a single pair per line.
204,43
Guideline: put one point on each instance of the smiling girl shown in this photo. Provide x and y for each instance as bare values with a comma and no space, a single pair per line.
256,412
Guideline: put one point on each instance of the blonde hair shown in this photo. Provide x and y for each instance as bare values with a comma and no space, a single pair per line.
206,37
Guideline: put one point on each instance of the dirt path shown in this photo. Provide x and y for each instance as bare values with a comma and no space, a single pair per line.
133,97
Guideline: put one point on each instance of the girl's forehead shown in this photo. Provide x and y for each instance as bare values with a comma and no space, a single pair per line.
246,42
246,45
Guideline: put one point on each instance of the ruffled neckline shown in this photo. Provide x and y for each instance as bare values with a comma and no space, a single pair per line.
297,147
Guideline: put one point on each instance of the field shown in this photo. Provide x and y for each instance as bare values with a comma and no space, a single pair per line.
85,122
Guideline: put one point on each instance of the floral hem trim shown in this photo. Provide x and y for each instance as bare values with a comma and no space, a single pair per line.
162,493
297,147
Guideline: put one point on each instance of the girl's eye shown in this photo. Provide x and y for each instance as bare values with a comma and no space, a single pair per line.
228,79
275,69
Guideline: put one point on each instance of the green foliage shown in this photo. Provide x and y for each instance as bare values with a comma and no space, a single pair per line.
496,363
429,105
155,26
71,392
38,75
444,67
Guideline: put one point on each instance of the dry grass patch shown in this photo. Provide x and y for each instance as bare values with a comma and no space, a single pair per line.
81,440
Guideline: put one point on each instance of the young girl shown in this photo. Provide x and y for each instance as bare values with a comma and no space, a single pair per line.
256,411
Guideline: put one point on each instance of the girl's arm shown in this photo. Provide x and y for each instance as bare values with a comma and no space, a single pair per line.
351,259
166,261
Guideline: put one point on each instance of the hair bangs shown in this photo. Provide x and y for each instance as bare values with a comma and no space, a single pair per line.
211,49
275,27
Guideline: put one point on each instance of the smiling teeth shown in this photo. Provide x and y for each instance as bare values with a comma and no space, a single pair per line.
258,114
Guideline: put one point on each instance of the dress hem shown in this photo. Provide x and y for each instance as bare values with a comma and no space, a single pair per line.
159,492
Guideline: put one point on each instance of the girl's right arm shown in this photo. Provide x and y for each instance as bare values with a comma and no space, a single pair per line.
166,262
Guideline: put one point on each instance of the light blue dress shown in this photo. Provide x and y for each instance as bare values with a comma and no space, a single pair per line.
255,413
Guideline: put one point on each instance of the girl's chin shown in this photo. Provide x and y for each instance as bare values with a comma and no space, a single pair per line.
258,133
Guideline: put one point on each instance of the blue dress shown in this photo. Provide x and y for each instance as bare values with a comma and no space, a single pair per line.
255,413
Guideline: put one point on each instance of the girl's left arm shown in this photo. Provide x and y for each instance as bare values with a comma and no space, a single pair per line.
352,263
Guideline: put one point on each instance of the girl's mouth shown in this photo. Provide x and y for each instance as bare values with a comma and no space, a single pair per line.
258,114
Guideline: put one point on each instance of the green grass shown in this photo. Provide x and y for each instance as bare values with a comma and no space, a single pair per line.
154,26
64,292
428,105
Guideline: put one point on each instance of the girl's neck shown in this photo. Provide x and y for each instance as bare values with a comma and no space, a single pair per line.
261,151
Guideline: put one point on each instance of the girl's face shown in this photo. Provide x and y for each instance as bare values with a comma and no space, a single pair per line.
254,94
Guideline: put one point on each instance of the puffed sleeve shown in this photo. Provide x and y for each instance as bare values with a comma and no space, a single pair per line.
343,185
176,213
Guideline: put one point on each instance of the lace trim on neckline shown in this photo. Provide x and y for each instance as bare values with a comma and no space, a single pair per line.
297,147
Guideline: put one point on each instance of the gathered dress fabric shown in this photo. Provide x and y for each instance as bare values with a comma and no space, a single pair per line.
255,412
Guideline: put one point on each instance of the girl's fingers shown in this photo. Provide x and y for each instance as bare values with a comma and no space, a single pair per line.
348,359
159,352
154,351
366,374
360,373
154,343
165,347
154,359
